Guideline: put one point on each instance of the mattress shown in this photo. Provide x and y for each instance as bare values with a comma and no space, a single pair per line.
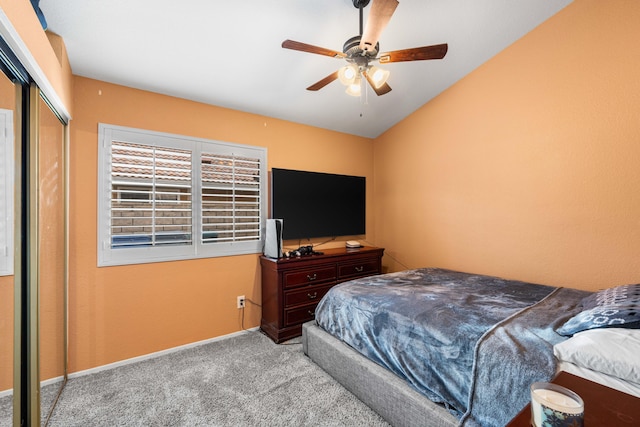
470,342
601,378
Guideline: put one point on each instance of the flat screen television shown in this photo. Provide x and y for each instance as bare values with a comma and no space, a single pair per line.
315,204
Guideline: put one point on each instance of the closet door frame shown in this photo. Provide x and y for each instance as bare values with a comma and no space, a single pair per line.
32,87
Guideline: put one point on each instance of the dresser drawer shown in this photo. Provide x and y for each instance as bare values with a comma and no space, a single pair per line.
365,267
306,295
319,274
299,315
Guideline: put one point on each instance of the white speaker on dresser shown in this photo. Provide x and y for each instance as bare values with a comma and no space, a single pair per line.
273,239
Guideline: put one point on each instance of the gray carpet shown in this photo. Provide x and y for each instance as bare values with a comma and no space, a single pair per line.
6,411
246,380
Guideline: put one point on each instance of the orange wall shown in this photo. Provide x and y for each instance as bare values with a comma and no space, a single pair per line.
121,312
529,167
54,63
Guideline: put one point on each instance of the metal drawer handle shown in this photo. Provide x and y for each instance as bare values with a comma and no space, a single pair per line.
312,296
314,277
311,313
360,269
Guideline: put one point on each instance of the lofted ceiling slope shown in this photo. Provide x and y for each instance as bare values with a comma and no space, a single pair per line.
228,53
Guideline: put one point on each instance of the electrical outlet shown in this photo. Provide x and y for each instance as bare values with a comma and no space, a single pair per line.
241,301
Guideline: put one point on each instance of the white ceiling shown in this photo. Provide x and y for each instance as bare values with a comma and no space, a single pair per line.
228,53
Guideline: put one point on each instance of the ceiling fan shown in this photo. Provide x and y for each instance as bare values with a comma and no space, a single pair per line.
362,50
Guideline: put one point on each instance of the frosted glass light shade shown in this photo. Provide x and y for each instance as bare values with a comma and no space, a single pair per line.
347,74
378,76
355,88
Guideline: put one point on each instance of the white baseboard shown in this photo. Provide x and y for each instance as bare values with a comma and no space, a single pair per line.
156,354
42,384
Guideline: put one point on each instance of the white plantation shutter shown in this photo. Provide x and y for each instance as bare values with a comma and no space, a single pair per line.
230,198
6,192
151,195
166,197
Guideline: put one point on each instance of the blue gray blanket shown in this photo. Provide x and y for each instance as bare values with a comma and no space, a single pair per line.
473,343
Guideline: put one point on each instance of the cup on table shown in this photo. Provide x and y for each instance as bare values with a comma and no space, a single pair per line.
555,406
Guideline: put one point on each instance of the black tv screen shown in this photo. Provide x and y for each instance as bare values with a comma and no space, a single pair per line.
314,204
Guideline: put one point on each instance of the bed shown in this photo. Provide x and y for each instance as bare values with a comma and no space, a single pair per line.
437,347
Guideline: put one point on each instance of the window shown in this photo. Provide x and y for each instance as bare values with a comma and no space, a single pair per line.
164,197
6,192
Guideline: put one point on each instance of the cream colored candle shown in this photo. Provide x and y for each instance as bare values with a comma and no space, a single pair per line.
563,402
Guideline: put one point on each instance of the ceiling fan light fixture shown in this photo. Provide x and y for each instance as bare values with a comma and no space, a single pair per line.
360,51
347,75
355,88
378,76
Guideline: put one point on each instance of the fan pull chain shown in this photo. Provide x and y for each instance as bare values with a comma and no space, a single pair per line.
364,88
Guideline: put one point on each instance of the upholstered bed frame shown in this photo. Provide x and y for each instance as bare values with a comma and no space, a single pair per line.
378,388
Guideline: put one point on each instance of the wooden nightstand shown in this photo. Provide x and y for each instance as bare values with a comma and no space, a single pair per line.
603,406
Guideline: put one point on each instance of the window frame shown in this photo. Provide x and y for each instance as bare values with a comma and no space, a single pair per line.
7,193
108,256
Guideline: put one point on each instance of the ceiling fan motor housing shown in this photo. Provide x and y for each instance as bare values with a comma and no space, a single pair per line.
357,56
360,3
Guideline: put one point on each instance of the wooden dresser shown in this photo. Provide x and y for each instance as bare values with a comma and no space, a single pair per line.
292,287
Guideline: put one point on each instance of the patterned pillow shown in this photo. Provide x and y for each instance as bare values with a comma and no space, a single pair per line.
617,307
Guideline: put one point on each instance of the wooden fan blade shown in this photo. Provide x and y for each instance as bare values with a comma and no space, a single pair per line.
379,16
437,51
322,83
291,44
385,88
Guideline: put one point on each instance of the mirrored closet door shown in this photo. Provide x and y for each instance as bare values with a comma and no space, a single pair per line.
33,232
50,254
7,124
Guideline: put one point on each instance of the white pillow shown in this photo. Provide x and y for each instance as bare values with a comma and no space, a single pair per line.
612,351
